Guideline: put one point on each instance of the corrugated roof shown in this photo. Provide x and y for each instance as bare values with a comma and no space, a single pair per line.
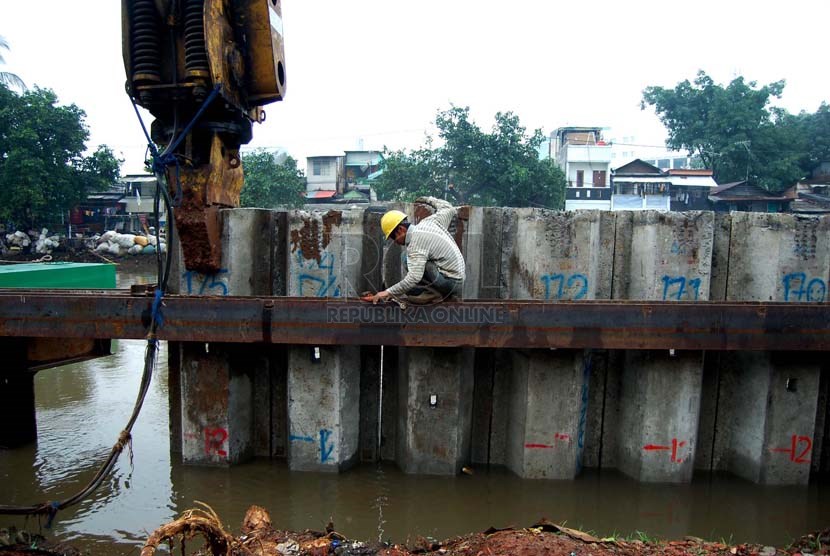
320,194
700,180
641,179
743,191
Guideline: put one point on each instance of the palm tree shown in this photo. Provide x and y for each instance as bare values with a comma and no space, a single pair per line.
7,77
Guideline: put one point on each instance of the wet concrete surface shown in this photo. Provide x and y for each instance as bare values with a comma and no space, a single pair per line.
82,408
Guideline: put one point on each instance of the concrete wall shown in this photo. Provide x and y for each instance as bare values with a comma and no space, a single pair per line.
219,404
770,436
325,259
435,393
655,415
661,256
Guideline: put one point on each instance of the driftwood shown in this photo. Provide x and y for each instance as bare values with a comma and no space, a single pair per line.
193,522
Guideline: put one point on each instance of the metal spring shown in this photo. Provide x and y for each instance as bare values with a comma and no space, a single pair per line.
195,54
145,34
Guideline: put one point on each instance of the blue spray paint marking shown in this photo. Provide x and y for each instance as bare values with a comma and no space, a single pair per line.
797,288
325,449
579,281
295,437
583,410
680,282
208,283
325,286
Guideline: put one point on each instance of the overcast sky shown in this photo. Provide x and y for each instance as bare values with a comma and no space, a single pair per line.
378,70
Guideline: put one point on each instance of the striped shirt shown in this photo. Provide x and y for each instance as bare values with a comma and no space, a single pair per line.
429,240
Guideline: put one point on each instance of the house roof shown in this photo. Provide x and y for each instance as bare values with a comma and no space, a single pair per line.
641,179
699,180
743,191
639,167
320,194
690,172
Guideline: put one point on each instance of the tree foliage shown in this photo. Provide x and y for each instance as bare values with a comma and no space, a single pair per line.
43,171
269,183
736,132
6,77
497,168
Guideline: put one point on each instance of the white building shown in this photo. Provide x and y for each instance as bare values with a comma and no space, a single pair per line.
585,158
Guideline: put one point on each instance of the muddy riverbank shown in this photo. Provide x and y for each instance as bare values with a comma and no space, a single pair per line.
203,532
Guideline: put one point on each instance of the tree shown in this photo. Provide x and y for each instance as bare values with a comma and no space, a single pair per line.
6,77
269,183
497,168
733,129
43,171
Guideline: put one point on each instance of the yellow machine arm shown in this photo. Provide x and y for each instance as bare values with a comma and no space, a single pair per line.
203,69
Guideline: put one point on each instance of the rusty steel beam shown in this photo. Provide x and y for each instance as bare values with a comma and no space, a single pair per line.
506,323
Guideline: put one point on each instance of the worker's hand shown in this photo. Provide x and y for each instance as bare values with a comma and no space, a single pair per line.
381,296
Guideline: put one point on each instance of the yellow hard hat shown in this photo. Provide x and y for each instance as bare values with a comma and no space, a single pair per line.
390,221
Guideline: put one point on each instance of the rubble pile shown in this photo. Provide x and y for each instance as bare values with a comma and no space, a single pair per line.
113,243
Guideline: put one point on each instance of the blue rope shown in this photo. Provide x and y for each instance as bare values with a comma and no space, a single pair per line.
53,511
157,316
160,161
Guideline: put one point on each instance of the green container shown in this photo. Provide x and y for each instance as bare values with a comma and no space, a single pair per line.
58,275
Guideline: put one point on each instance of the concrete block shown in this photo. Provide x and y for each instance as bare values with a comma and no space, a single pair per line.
323,407
435,397
779,257
770,431
661,256
220,413
548,411
659,412
773,257
217,408
557,255
325,253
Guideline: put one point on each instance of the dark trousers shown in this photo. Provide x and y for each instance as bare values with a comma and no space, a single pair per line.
436,280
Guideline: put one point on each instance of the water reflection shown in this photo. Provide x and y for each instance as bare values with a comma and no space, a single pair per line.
82,408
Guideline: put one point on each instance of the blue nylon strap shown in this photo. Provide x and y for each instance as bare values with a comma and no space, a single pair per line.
157,316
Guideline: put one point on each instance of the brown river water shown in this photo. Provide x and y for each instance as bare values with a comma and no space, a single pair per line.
81,409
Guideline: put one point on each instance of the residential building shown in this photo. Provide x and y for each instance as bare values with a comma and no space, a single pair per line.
585,158
361,168
813,193
325,177
743,196
639,185
127,206
690,189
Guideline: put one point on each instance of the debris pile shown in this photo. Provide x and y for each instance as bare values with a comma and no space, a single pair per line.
18,241
113,243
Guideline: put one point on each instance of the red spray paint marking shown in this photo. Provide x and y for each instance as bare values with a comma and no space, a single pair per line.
214,440
797,456
560,436
674,447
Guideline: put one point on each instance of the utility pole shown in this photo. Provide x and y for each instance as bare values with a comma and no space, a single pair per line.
746,144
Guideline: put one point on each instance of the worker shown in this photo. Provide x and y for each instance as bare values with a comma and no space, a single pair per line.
434,264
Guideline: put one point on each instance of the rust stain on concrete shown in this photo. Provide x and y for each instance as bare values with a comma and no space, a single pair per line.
309,240
331,218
